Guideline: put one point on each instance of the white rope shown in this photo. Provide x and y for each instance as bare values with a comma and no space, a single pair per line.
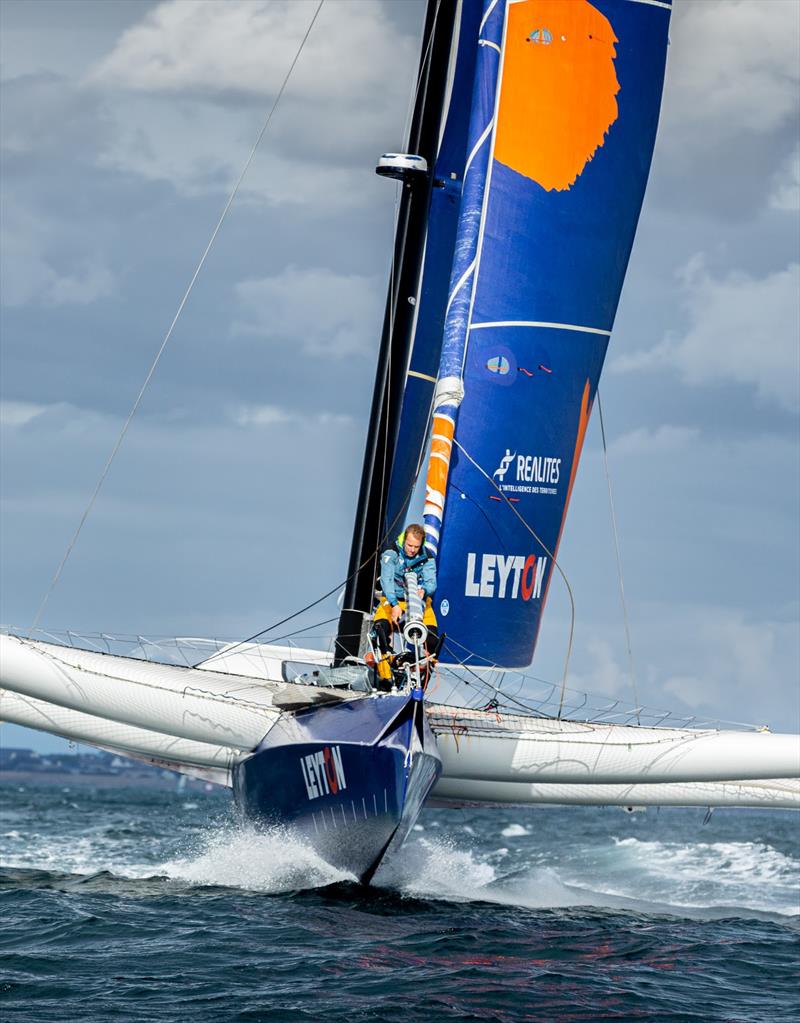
619,556
168,335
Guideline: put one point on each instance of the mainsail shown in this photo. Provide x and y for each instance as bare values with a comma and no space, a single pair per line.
564,114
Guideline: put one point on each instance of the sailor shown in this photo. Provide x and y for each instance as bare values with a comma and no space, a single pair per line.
408,555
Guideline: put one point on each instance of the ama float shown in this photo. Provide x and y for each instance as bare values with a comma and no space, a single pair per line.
524,173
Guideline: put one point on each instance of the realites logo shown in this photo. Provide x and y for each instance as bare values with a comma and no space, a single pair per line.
527,470
323,772
503,576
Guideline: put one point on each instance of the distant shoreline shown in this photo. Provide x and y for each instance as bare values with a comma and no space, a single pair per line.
101,781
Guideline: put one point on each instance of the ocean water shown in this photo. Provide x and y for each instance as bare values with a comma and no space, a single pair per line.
153,905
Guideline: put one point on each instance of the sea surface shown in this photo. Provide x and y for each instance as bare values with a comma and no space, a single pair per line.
137,904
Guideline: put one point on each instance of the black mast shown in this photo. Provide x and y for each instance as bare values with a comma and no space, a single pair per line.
387,396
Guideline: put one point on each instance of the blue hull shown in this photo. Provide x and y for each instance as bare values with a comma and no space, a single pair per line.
349,778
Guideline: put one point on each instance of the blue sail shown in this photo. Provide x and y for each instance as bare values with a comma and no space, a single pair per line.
575,106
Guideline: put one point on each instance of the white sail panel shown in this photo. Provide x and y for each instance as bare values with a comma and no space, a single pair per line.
777,794
487,747
95,731
204,706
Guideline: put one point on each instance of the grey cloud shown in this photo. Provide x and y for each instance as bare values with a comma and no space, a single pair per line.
731,105
740,328
50,116
352,79
222,511
333,315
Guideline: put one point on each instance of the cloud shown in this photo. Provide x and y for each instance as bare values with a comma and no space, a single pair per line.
28,270
18,413
48,115
325,313
734,659
734,68
28,276
89,284
742,329
725,658
661,440
785,194
261,415
246,46
604,675
264,416
731,106
235,54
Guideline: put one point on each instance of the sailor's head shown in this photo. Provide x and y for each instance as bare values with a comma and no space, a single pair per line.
413,539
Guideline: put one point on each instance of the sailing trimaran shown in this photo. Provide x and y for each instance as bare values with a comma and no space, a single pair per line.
525,169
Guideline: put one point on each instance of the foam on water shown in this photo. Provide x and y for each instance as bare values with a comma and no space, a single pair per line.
540,867
514,831
265,861
436,869
696,879
721,862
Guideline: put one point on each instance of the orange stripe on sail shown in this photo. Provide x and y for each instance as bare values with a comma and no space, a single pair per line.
583,422
441,448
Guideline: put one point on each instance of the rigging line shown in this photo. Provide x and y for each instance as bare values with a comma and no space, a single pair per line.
619,556
546,549
389,530
168,335
297,632
423,65
527,705
395,271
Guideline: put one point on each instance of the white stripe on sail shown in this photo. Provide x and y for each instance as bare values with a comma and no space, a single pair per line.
652,3
486,16
421,376
476,148
459,286
540,323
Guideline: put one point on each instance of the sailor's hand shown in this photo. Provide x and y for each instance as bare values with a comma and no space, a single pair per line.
397,613
421,593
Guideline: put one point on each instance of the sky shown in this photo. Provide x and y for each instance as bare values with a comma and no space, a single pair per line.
123,127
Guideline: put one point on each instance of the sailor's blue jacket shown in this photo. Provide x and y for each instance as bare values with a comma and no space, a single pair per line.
394,565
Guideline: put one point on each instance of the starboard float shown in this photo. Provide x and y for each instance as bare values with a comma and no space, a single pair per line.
528,154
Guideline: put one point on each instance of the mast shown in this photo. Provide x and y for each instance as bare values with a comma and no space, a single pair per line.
369,527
